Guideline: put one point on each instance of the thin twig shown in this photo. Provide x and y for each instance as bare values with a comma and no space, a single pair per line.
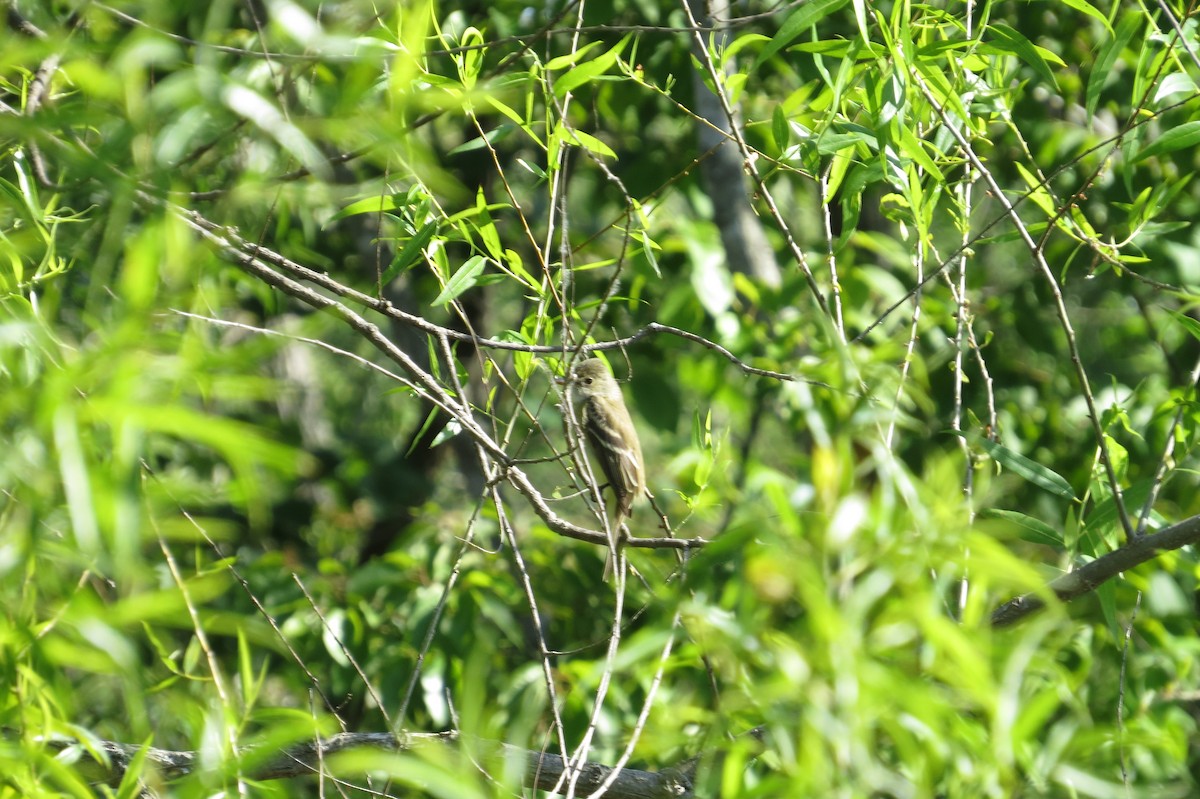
749,164
1064,317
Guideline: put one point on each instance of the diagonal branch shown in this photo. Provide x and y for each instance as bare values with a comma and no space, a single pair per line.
1089,577
234,245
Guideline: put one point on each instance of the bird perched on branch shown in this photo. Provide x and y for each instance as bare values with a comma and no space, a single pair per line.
610,434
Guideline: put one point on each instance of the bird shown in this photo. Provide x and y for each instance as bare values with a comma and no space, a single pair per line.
610,434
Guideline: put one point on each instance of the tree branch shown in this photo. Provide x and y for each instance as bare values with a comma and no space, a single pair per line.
542,770
231,244
1087,578
421,382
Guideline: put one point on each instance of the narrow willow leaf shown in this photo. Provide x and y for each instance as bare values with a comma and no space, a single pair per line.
1103,517
1037,190
842,161
1033,530
408,257
257,110
779,128
487,228
570,59
493,136
1107,594
517,267
1189,324
648,248
1009,40
370,205
515,117
804,17
914,148
741,42
1090,10
589,70
1183,137
1107,57
593,144
1173,84
466,277
860,16
1041,476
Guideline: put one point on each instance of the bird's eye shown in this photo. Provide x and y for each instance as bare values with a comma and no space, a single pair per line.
588,381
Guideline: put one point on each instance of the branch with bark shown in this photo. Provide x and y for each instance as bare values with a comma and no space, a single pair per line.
542,771
1090,576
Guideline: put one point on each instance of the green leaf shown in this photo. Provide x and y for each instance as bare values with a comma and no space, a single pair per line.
411,254
497,134
257,110
248,684
570,59
1107,594
1090,10
804,17
1009,40
779,128
1107,57
829,143
466,277
371,205
1033,530
1183,137
586,72
1188,323
1041,476
1038,192
475,210
512,259
487,228
1103,518
914,148
860,16
741,43
837,48
648,248
515,117
470,60
591,143
1175,83
133,778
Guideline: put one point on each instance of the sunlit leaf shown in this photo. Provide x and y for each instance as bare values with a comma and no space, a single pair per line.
805,16
465,278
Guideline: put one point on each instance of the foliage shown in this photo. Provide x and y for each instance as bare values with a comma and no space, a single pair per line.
231,523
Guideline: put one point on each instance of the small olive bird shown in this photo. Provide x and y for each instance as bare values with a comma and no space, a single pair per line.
610,434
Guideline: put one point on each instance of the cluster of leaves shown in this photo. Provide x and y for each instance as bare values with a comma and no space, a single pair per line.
223,528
